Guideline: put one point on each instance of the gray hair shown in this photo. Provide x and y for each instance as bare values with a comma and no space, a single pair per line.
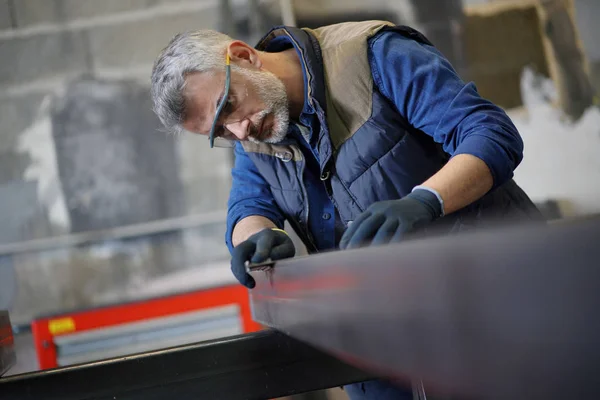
197,51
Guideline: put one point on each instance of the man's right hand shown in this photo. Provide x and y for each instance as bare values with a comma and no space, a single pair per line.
268,243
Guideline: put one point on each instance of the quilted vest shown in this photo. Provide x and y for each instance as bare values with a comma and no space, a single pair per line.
367,151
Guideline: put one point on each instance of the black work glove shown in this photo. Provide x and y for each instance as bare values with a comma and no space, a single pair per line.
268,243
388,221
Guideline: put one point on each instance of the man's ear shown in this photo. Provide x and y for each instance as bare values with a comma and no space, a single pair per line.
243,54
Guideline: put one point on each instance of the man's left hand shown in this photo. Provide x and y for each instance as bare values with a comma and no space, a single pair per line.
388,221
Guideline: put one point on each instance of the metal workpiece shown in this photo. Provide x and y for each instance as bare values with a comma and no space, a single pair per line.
7,343
510,313
261,365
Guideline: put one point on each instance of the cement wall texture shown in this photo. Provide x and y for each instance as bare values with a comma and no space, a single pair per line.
48,45
81,150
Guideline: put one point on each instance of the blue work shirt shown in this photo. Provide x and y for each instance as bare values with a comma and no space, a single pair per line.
427,92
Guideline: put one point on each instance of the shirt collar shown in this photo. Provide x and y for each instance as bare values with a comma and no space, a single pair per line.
283,37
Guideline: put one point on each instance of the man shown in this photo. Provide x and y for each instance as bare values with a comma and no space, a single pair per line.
356,134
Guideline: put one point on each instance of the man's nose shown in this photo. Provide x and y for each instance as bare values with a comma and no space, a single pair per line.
240,129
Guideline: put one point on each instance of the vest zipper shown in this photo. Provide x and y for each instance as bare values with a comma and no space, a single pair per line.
309,236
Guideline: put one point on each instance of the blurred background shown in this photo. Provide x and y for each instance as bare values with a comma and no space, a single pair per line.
99,206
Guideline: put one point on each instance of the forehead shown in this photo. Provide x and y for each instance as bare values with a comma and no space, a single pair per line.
202,91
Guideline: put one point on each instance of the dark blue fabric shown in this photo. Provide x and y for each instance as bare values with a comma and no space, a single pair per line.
422,114
250,194
322,214
427,91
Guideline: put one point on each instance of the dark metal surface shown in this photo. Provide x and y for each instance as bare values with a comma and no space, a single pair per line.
504,314
7,343
261,365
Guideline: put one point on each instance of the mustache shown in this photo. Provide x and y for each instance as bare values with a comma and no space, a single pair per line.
254,132
255,128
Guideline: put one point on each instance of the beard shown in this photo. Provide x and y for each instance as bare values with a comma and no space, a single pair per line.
271,92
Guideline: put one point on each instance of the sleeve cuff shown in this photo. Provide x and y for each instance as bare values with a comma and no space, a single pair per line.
485,148
234,217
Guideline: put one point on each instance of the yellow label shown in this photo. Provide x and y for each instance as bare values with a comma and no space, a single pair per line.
62,325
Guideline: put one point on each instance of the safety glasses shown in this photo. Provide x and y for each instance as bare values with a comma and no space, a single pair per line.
219,136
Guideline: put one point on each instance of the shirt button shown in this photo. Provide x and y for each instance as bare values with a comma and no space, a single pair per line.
326,216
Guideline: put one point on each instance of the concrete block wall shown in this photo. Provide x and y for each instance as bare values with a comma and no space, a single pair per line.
35,12
47,48
46,43
5,15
